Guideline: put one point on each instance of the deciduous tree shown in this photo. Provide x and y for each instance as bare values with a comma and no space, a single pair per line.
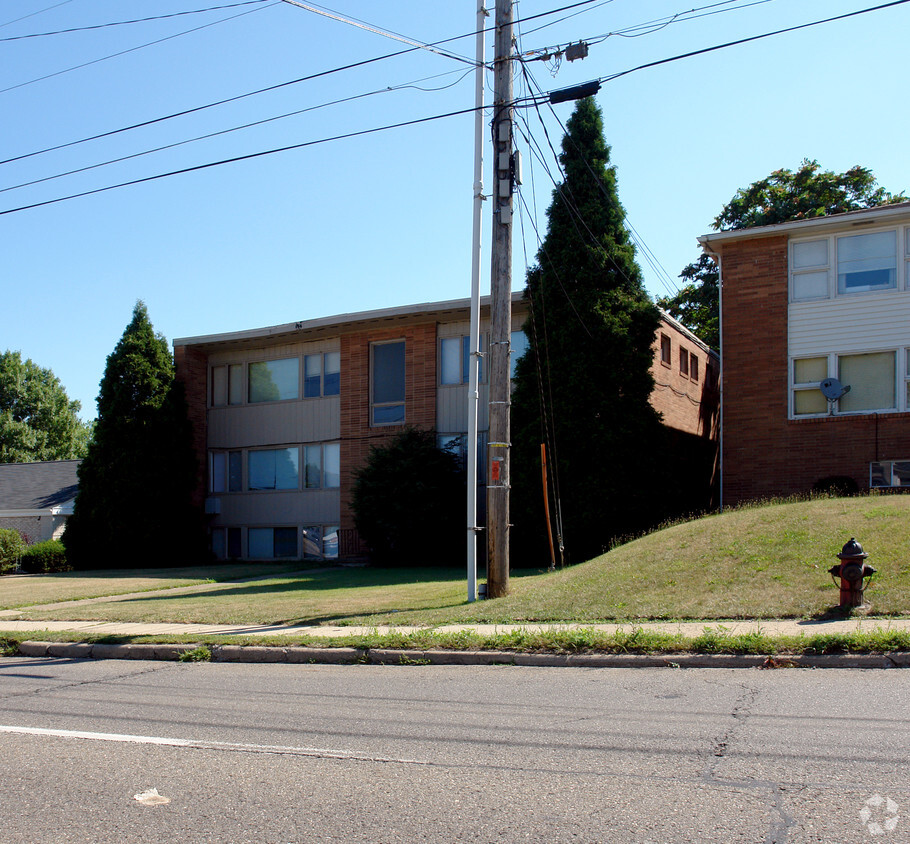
38,421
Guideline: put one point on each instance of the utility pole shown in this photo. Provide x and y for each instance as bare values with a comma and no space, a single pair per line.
498,473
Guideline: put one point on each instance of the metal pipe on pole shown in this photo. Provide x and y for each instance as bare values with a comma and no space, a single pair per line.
498,464
474,341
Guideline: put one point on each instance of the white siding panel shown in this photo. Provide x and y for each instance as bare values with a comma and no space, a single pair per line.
309,420
316,506
850,324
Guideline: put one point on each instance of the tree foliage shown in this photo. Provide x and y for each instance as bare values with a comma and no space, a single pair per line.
37,419
696,304
788,195
134,506
783,196
409,501
590,337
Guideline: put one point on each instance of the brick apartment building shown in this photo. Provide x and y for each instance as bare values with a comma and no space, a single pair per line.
803,303
283,416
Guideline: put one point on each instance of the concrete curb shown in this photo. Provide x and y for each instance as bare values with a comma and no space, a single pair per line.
392,656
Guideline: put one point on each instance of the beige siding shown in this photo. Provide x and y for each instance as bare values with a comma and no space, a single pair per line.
275,423
310,507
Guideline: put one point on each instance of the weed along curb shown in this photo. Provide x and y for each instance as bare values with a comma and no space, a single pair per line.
397,656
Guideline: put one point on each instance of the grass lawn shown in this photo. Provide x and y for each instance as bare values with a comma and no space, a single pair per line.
765,561
23,590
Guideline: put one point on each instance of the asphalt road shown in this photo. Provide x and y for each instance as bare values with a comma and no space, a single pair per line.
306,753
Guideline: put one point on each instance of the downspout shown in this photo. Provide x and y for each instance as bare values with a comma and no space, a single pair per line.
715,256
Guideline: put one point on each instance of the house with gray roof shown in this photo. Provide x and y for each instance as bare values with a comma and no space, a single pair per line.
37,498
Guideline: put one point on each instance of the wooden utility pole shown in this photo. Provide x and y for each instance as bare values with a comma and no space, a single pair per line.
498,473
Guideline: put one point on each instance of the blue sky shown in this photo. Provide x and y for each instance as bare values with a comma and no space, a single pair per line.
383,219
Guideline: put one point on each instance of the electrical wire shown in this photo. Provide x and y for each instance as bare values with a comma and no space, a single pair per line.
126,23
139,47
395,36
267,89
235,159
33,14
239,128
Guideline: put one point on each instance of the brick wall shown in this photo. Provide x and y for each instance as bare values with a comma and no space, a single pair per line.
686,404
764,453
192,369
356,433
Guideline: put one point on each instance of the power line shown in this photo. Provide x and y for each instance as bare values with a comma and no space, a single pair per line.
126,23
238,158
237,129
395,36
258,91
33,14
134,49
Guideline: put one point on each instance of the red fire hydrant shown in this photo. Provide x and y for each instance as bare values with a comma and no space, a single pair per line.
852,569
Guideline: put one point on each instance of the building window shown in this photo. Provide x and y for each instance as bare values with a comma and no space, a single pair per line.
455,361
225,543
321,375
275,468
322,466
871,377
693,367
274,380
665,351
268,543
888,473
320,542
387,383
867,262
683,362
227,385
808,373
518,346
871,381
457,445
809,269
225,471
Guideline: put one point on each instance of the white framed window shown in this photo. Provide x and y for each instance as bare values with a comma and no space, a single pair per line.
387,383
889,473
322,466
321,375
273,468
809,266
849,263
867,262
871,377
274,380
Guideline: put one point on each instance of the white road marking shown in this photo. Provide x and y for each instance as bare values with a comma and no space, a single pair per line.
318,752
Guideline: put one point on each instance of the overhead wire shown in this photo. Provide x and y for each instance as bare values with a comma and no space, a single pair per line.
128,22
138,47
235,159
33,14
250,125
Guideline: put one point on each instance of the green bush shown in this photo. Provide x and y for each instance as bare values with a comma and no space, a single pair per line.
45,557
11,547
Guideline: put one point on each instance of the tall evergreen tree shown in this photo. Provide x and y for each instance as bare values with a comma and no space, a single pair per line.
134,502
590,337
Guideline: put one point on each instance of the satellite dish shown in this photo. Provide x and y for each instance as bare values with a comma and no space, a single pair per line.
832,389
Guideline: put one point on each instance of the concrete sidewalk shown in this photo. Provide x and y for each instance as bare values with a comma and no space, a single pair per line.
687,629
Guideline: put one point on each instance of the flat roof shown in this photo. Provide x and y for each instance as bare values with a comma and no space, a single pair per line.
338,320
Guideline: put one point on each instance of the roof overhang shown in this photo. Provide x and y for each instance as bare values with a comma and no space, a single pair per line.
339,322
883,214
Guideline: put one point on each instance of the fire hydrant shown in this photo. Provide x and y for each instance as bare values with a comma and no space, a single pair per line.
852,569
